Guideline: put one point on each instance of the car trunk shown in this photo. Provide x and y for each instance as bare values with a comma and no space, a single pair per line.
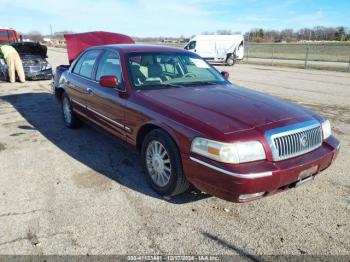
59,71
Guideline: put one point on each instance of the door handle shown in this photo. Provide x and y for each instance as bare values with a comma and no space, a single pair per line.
89,91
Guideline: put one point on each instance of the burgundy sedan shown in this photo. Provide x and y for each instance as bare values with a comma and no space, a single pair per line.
192,126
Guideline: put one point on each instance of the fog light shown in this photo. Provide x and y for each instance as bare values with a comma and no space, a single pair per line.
249,196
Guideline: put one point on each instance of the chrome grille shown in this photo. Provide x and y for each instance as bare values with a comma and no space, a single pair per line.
294,140
32,69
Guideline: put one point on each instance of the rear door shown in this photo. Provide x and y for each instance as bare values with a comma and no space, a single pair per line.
81,81
104,102
240,51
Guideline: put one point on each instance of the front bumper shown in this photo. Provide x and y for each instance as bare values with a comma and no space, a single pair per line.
39,75
231,181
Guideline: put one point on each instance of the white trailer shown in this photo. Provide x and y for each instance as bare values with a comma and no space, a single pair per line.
218,48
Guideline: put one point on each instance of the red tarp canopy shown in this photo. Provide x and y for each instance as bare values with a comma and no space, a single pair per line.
77,43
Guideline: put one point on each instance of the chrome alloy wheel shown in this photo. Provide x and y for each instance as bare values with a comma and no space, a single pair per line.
67,111
158,163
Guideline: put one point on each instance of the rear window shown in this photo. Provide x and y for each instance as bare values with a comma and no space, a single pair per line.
7,37
6,33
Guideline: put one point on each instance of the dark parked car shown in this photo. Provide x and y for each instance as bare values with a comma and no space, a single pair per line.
191,125
33,56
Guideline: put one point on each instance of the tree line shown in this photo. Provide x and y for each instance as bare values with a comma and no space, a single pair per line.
318,33
37,36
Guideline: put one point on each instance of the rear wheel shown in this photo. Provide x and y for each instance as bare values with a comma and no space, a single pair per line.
69,117
230,60
162,164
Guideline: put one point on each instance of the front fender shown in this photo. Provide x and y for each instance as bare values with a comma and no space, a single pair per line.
179,133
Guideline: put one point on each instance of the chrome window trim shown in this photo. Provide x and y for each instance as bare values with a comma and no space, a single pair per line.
270,135
247,176
86,78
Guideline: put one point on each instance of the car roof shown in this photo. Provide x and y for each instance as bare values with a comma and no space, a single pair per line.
136,48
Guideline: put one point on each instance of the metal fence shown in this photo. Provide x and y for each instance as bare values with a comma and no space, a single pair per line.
331,56
320,56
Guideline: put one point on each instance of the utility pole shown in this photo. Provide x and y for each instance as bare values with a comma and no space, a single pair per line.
306,56
51,29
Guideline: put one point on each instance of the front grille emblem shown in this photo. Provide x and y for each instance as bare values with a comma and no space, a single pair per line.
294,140
303,140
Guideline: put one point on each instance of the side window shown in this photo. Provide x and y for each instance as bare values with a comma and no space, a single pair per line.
86,63
76,69
7,37
109,66
192,45
5,33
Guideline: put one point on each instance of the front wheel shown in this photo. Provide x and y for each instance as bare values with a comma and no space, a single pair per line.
230,60
69,117
162,164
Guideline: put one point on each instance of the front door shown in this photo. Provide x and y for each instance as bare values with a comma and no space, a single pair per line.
104,102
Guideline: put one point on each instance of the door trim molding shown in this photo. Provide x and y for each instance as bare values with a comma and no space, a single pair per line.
116,123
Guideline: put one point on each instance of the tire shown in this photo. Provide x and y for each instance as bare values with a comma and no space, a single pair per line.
69,117
230,60
174,180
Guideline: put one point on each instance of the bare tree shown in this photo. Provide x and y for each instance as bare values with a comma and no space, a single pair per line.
35,36
318,33
287,35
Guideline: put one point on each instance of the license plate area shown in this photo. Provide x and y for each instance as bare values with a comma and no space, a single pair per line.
306,175
308,172
304,181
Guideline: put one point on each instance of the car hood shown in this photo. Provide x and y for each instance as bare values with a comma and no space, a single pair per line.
31,48
226,108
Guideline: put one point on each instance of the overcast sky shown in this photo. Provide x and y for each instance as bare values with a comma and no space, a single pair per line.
170,18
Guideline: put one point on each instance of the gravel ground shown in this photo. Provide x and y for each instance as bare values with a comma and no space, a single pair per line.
78,192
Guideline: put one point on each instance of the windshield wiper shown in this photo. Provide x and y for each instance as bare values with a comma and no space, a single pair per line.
201,83
164,85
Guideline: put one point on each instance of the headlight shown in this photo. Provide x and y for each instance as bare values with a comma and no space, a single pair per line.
326,129
233,153
45,67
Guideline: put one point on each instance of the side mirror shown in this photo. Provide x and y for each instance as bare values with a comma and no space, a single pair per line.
225,74
109,81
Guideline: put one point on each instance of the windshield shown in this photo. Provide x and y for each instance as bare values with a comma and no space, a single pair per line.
170,70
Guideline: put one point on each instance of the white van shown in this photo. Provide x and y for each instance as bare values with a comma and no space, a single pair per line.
218,48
